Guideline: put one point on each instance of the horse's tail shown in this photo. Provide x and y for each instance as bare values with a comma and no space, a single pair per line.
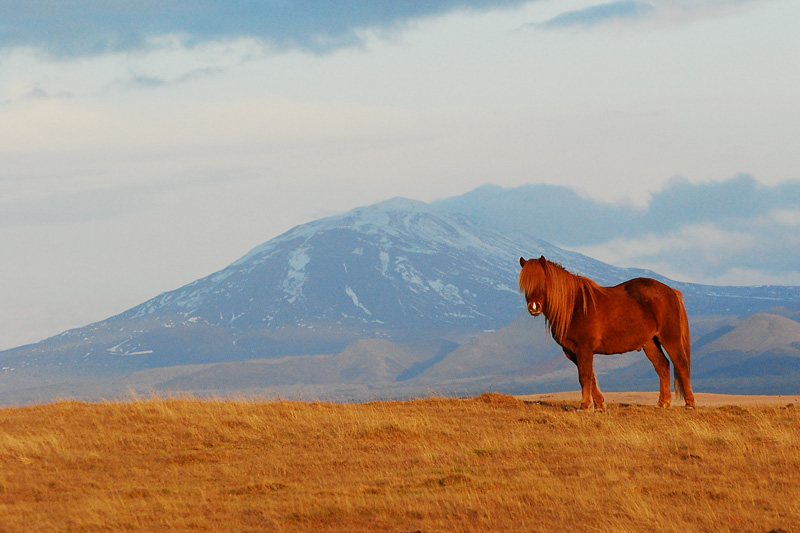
685,349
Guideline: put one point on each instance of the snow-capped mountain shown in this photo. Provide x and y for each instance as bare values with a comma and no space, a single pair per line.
399,270
394,268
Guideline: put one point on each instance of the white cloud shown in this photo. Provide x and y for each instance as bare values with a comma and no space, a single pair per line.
704,238
743,276
640,13
708,253
787,217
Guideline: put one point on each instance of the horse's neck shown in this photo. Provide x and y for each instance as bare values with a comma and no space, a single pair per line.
579,296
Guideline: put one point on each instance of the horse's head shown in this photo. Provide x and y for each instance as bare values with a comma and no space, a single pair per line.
532,283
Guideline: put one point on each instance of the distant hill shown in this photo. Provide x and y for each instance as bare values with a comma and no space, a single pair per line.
398,297
762,354
508,351
759,333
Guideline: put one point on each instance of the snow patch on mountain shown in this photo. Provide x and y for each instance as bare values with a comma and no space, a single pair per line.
384,258
448,291
351,293
296,276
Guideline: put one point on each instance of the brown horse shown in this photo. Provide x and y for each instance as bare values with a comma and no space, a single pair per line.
587,319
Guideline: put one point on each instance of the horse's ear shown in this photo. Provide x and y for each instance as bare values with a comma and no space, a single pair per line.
522,261
542,260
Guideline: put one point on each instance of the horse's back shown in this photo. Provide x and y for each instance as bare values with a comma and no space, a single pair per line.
647,289
650,296
655,299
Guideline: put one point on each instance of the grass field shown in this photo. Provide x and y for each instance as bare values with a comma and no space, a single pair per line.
492,463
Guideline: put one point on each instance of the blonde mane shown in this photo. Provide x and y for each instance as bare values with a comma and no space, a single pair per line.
561,290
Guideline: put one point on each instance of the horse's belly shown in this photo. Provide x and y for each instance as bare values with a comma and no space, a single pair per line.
618,348
621,341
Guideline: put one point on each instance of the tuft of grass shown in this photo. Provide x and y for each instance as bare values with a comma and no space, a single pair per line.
491,463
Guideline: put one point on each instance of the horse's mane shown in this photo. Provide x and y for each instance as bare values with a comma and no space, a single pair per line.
562,289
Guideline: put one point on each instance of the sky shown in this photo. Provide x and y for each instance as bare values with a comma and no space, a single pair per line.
146,144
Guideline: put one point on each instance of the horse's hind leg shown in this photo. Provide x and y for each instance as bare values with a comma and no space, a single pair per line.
680,361
661,364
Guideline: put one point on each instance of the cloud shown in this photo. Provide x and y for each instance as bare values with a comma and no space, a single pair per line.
738,199
600,13
752,254
563,216
787,217
736,231
145,81
669,11
74,28
57,209
80,203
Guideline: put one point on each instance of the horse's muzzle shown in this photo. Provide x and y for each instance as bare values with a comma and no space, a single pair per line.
535,308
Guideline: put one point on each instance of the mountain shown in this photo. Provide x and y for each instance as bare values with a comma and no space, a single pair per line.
507,351
762,353
758,333
399,270
556,211
399,296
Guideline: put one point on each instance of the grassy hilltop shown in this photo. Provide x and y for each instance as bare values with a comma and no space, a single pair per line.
492,463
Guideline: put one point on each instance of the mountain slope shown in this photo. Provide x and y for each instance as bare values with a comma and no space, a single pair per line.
510,350
759,333
762,354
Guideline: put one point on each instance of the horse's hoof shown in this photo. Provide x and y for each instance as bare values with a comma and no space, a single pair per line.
663,405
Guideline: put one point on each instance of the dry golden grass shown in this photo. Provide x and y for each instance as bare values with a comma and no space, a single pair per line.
492,463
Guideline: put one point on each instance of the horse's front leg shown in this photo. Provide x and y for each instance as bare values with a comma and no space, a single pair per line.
599,401
590,392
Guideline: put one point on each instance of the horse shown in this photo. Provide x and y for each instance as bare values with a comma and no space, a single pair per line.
586,319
